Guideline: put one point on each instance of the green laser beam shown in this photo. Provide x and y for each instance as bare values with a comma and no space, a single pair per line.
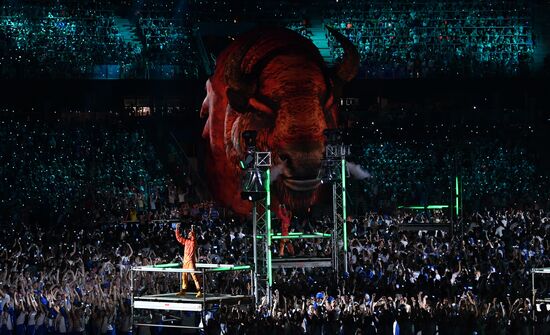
456,195
231,268
297,237
169,265
268,216
425,207
299,234
344,215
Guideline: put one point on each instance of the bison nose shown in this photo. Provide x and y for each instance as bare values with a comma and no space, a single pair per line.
285,157
300,164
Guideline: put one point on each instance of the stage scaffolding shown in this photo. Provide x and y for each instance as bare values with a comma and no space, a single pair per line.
263,236
168,307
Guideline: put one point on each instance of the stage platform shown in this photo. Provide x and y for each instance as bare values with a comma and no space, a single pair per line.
170,301
300,262
164,302
149,310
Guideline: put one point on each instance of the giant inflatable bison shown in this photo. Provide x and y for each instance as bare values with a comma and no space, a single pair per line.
274,81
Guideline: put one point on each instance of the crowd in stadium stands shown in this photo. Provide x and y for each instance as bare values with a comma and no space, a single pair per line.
301,27
61,170
83,171
53,43
76,278
399,39
478,283
168,42
423,172
271,12
408,39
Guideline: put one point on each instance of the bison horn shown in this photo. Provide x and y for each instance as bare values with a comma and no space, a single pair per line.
347,69
239,83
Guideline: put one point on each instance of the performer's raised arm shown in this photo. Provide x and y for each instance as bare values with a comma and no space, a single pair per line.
190,245
192,236
180,238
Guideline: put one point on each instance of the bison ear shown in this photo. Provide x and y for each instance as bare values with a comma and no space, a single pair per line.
329,102
331,112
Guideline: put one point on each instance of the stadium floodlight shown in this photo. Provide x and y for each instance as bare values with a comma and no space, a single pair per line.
252,183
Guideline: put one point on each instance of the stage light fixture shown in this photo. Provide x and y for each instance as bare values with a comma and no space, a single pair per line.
247,162
249,137
253,186
328,172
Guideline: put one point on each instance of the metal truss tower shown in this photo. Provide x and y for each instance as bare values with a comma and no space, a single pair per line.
340,246
334,171
261,220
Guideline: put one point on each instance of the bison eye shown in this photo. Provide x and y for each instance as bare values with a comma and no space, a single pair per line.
329,111
263,105
259,105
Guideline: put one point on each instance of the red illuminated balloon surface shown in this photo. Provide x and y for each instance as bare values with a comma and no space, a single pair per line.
273,81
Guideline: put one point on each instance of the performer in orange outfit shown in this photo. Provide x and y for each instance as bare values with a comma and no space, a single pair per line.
284,215
190,245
